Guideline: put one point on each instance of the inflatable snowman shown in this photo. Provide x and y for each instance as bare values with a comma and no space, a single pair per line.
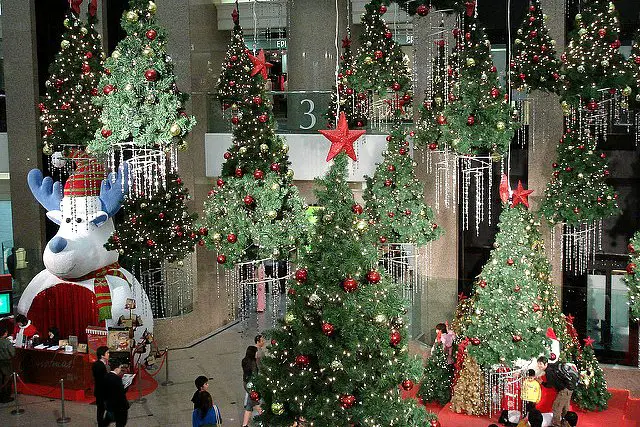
83,284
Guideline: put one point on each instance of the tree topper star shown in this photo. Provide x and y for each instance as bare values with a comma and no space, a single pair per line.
521,196
588,342
342,138
346,42
260,64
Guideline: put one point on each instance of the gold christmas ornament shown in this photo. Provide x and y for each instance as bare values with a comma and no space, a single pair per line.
64,44
152,7
175,129
131,16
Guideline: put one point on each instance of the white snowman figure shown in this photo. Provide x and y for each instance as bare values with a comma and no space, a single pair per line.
83,284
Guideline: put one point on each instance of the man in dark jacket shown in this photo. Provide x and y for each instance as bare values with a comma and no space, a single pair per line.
563,399
99,370
116,398
7,351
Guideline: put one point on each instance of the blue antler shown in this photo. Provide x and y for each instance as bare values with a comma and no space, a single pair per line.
47,192
113,189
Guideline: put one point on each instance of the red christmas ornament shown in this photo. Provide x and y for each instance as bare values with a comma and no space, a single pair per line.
220,182
151,75
227,155
391,214
302,360
532,8
407,212
396,86
495,92
106,133
349,91
533,34
631,268
107,71
592,105
357,209
221,259
151,34
407,385
235,120
301,275
258,174
391,168
603,156
150,243
516,338
493,69
516,288
94,91
532,19
291,292
576,210
536,308
568,169
554,165
257,100
254,395
233,58
606,172
349,284
402,151
232,83
602,32
342,138
522,76
382,239
631,248
388,34
471,120
328,329
470,7
521,196
262,118
387,183
275,167
637,60
86,68
441,120
382,9
482,284
373,277
475,341
395,338
347,401
203,231
510,261
536,58
422,10
248,200
161,215
433,146
378,54
616,44
108,89
232,238
58,83
434,226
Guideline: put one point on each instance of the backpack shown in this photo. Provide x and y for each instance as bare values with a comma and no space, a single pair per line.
568,375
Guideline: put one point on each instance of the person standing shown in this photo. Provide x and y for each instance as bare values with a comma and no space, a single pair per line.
115,398
202,384
99,370
207,414
249,371
7,351
554,380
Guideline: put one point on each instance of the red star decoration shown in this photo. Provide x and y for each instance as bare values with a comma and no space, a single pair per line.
569,318
346,42
588,342
342,138
235,16
521,196
260,64
462,296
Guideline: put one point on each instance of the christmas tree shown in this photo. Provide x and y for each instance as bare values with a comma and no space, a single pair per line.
380,64
508,322
67,115
468,392
633,64
234,82
436,379
140,101
156,227
633,276
339,358
255,212
592,61
578,190
353,104
428,131
394,197
535,65
477,119
591,393
462,315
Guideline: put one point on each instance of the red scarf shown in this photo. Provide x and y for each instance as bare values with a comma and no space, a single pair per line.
101,287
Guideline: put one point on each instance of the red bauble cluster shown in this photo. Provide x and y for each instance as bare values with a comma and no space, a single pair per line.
302,360
347,401
349,284
328,329
395,338
301,275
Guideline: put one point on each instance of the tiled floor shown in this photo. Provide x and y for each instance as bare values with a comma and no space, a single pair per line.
218,358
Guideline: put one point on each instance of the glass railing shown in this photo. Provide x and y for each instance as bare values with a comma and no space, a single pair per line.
305,112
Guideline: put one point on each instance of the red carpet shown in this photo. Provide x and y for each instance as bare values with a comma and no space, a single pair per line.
147,386
623,411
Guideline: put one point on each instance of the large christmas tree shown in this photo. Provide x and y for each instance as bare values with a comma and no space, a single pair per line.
156,227
380,64
578,190
344,97
535,65
255,211
67,114
592,61
507,322
633,276
633,64
436,379
138,94
477,119
394,198
234,82
591,393
339,358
